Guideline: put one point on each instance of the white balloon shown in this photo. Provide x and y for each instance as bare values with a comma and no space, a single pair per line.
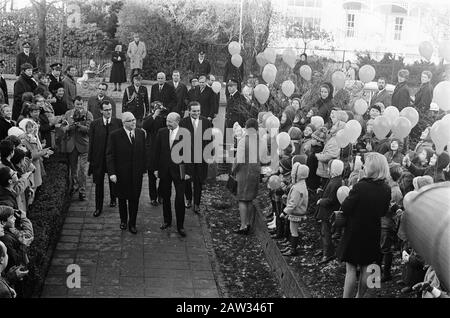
216,87
270,55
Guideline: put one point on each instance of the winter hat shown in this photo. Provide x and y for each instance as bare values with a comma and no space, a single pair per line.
377,107
299,172
260,116
336,168
320,134
26,66
442,160
419,182
290,113
15,131
286,164
300,159
295,133
313,128
336,127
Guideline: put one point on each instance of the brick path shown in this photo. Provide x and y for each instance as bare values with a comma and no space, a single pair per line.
116,263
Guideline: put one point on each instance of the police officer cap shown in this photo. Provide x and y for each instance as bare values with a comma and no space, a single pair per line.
232,82
26,44
136,75
56,66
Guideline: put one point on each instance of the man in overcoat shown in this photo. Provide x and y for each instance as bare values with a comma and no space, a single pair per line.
181,93
164,93
401,97
207,99
382,96
99,132
126,162
25,57
137,53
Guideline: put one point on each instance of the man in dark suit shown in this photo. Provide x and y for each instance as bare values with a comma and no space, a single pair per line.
207,99
237,107
164,93
151,125
232,72
3,86
181,93
25,57
99,132
135,100
77,144
198,167
126,163
210,79
169,171
401,97
95,102
200,66
55,77
382,96
192,92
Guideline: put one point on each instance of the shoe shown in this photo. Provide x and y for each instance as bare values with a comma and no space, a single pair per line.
243,231
196,209
273,231
132,229
160,200
123,226
325,259
188,204
182,232
164,226
82,197
276,236
113,204
154,203
97,212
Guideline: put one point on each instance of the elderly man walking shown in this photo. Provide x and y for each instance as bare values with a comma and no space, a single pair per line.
164,93
137,53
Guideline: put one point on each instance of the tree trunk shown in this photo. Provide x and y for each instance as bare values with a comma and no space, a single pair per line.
62,35
12,5
41,11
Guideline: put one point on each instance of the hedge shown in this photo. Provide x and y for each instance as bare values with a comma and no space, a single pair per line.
47,213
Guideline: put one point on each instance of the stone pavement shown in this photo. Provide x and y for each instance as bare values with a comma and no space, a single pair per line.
116,263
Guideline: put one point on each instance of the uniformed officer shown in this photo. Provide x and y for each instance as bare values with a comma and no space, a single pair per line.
55,77
135,99
25,57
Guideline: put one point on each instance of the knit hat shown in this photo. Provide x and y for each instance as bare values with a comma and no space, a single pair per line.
442,160
300,159
295,133
313,128
336,168
419,182
299,172
320,134
26,66
286,164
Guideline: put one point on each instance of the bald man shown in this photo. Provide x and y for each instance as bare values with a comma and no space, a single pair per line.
164,93
126,162
170,172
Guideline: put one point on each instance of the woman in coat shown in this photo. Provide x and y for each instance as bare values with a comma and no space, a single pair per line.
24,83
325,102
366,203
118,75
247,170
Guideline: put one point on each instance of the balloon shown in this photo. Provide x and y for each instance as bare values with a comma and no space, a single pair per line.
270,55
402,127
274,182
289,57
288,88
353,129
440,135
306,72
236,60
262,93
441,95
283,140
381,127
234,48
15,131
261,60
444,50
342,138
265,117
411,114
338,80
366,73
408,198
342,193
269,73
216,87
317,121
426,50
391,113
361,106
272,123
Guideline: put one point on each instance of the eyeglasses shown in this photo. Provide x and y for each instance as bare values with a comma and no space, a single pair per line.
107,110
130,120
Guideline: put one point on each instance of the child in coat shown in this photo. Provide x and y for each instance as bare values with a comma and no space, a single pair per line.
297,204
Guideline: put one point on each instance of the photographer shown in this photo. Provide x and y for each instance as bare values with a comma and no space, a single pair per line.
76,129
152,123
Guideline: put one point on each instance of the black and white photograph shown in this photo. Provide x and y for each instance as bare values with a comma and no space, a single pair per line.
228,153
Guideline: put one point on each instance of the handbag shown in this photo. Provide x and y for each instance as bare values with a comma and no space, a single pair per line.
232,184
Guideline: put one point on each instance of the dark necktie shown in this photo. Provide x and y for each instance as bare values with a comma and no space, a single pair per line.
160,88
107,128
131,137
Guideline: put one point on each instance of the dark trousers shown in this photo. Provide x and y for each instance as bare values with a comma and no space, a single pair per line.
128,211
167,181
327,243
100,190
153,191
197,191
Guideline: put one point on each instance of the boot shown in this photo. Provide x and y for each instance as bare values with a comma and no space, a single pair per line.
387,261
293,250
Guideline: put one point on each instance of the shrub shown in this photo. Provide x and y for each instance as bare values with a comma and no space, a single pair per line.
47,213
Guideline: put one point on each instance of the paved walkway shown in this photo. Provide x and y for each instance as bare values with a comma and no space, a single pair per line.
116,263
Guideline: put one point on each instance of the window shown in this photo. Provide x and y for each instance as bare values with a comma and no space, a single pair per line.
350,25
305,3
398,28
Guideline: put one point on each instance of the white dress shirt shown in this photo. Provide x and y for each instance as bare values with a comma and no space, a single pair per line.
172,135
128,133
194,123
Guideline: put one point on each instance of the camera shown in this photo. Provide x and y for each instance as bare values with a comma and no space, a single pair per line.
17,213
79,116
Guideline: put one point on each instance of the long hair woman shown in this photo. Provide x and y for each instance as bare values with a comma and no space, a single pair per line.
366,203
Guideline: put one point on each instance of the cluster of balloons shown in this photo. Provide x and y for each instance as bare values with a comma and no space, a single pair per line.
400,123
440,133
235,49
426,50
349,134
